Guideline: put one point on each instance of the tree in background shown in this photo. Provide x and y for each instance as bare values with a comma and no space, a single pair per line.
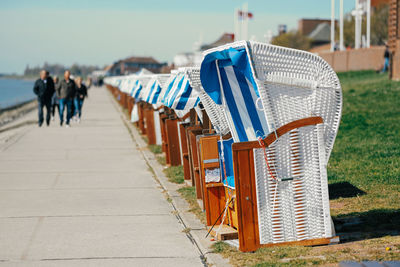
58,70
292,39
379,26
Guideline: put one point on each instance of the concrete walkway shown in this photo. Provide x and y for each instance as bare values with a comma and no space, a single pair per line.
84,196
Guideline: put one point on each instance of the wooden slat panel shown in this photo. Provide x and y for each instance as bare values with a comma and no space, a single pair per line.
185,150
141,118
192,132
130,105
214,185
164,145
243,165
173,150
211,165
149,122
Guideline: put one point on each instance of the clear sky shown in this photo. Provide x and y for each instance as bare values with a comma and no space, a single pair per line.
100,32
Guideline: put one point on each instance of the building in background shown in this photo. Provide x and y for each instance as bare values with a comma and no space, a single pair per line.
306,26
135,64
282,28
318,30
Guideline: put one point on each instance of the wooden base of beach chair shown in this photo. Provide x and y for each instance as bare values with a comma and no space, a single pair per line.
124,100
173,150
131,102
192,132
163,117
116,92
185,150
141,122
150,127
224,233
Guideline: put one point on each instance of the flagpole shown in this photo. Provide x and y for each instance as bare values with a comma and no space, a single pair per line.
332,25
357,15
368,2
236,23
341,27
244,21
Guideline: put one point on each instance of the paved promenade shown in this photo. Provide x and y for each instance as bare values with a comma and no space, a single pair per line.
84,196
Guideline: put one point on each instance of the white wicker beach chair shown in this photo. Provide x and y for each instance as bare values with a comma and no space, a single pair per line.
214,111
290,175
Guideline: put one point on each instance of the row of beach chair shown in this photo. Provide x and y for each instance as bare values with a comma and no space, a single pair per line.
253,127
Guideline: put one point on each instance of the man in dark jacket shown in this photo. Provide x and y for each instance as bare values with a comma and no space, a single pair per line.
44,89
66,93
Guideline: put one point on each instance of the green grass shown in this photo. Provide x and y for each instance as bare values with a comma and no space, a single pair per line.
175,174
161,160
364,180
367,148
156,149
189,194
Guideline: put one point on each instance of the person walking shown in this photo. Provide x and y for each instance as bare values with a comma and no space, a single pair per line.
54,100
44,89
81,93
66,93
386,57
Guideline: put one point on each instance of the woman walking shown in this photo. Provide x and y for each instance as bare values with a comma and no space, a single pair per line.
54,101
81,93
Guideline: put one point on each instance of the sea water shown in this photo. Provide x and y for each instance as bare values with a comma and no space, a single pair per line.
13,92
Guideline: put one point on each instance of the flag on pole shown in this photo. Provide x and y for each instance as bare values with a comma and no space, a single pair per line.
242,14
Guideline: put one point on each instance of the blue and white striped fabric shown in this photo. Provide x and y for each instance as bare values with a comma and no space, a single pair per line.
145,81
228,79
169,85
147,90
182,96
136,89
154,93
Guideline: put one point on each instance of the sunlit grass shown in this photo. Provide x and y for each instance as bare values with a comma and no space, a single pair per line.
175,174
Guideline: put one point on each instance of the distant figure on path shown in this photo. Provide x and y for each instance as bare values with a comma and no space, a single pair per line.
44,89
81,93
66,93
386,56
55,103
89,82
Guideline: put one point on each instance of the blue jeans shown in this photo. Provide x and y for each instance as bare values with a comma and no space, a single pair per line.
385,65
65,102
41,104
78,103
